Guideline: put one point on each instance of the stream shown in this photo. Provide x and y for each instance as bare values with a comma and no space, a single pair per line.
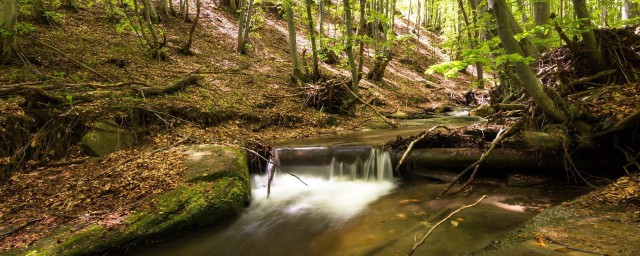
352,205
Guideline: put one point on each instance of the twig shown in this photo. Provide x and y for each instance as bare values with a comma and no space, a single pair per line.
20,227
484,156
406,152
371,107
572,248
71,59
415,246
271,173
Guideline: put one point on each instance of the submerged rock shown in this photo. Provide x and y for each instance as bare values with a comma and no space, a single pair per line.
399,115
483,110
524,180
106,138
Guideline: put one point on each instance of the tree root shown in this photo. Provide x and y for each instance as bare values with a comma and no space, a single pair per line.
415,246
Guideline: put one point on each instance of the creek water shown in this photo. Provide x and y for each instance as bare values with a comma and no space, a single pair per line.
352,205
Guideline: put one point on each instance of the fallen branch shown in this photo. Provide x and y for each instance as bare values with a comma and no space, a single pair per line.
406,152
181,84
71,59
587,79
484,156
625,123
415,246
371,107
20,227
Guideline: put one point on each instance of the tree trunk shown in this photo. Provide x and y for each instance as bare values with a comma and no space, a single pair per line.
525,73
629,10
542,16
361,33
314,49
247,25
186,49
9,11
240,45
165,9
351,101
596,58
293,48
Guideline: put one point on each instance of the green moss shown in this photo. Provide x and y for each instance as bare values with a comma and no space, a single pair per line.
202,203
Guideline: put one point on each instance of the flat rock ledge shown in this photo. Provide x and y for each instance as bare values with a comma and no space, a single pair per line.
575,228
216,188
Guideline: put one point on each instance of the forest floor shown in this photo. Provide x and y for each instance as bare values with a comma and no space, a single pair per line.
249,96
242,98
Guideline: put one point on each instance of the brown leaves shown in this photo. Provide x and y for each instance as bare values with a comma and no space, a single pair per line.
624,191
92,192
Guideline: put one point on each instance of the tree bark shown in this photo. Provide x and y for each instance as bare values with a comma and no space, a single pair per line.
314,49
350,104
596,58
186,49
9,11
542,16
293,48
528,78
629,10
164,8
361,33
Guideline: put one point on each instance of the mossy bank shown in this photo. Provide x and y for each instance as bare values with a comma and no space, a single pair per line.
216,188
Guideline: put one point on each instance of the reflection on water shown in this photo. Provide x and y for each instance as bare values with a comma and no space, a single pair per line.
331,217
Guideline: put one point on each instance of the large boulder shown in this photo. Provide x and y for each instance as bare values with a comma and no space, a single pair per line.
483,110
216,188
106,138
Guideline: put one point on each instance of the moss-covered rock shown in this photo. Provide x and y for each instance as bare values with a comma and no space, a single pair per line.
210,162
483,110
217,189
106,138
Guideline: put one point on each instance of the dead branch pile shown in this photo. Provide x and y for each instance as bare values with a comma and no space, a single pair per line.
453,138
328,95
620,46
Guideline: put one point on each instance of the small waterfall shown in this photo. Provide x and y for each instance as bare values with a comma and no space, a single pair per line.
335,163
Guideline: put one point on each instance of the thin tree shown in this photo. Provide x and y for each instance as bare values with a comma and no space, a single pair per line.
594,54
293,48
351,102
186,49
244,26
314,49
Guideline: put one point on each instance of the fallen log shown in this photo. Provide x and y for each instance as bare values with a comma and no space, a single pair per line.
501,161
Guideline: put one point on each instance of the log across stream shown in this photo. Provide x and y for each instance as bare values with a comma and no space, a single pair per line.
353,205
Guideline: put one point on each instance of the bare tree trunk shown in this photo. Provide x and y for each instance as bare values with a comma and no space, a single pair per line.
241,21
629,10
186,49
361,33
525,73
164,8
314,49
186,11
351,102
596,58
542,16
9,11
293,48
